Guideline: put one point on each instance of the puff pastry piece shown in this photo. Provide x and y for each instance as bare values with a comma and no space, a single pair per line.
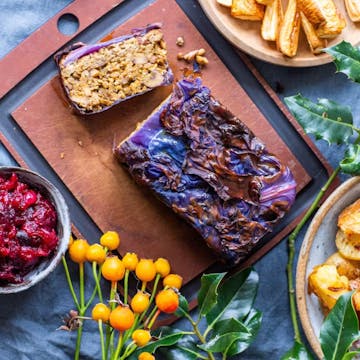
316,44
247,10
288,39
272,20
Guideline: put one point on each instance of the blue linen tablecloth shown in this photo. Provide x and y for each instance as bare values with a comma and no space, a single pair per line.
29,320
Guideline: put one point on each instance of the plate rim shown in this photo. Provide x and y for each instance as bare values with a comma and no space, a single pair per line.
301,281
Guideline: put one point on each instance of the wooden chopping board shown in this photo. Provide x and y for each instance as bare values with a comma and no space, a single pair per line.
79,149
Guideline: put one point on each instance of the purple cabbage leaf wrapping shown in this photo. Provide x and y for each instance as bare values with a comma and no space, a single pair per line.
208,166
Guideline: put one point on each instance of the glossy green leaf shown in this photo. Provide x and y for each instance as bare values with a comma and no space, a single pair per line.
253,321
351,162
298,352
183,306
347,59
340,329
222,343
350,355
236,297
166,337
230,325
185,349
233,325
326,120
207,296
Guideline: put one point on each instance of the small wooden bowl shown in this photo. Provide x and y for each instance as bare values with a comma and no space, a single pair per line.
318,245
46,266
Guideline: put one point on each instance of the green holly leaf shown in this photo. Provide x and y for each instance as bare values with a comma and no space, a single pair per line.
350,355
222,343
346,59
185,349
166,337
340,329
326,120
253,321
351,162
208,292
235,299
183,306
298,352
231,325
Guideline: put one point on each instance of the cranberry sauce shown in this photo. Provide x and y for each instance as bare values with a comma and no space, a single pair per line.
27,229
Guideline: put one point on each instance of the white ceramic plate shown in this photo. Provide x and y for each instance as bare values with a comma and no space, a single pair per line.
245,35
318,245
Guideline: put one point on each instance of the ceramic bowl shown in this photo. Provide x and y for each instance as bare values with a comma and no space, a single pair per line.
47,265
318,245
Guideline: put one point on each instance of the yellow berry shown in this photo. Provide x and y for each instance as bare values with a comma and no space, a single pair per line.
113,269
167,301
100,312
173,281
96,253
140,302
130,260
121,318
141,337
146,356
162,267
110,240
145,270
77,251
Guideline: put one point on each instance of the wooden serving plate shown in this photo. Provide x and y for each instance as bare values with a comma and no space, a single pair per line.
246,36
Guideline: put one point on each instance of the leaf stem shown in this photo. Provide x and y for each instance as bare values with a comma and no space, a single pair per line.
70,284
153,319
109,334
101,332
82,290
96,275
119,345
129,350
126,285
291,249
81,310
156,283
78,343
201,337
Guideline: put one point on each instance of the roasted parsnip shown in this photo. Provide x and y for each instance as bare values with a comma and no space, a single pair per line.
247,10
288,38
316,44
272,20
353,9
265,2
332,27
325,14
312,9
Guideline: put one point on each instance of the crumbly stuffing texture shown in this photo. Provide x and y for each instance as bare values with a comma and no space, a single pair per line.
116,72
